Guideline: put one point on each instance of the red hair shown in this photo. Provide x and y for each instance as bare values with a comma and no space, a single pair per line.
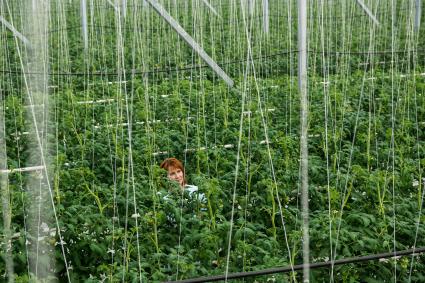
172,162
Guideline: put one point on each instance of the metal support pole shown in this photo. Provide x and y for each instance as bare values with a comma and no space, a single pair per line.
251,5
22,169
5,198
42,215
302,85
367,11
14,31
124,8
113,5
192,43
84,25
266,16
211,8
324,264
418,15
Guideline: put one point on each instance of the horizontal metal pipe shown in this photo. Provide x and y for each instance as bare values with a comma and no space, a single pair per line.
301,266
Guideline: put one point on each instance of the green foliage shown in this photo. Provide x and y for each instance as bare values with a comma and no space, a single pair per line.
117,229
122,220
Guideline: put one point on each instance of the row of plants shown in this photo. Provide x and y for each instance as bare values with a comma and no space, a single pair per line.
366,159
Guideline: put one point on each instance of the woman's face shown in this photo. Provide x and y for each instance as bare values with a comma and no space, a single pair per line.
176,174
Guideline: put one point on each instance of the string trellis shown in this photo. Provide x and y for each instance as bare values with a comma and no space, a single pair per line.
95,94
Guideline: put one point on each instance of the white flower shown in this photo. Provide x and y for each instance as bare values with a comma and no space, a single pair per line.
415,183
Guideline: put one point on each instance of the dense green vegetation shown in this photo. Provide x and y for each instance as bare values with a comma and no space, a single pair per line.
105,138
92,211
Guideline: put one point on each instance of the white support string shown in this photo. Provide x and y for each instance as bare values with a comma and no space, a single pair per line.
417,225
421,181
130,175
325,85
352,147
124,106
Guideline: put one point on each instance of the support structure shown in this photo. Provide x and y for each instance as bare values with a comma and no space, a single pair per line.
316,265
5,199
112,4
251,6
302,85
211,8
266,19
418,11
124,8
368,12
23,169
14,31
192,43
84,28
41,209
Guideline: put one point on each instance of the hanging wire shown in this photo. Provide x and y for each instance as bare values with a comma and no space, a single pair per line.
244,51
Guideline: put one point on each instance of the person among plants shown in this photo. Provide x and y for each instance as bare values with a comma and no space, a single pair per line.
176,172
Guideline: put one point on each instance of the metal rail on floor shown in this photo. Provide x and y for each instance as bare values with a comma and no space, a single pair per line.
316,265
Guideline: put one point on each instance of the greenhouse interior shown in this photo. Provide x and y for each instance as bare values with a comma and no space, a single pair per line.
212,140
